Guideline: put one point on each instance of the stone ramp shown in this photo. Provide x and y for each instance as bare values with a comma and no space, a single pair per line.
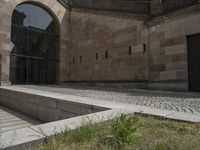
12,120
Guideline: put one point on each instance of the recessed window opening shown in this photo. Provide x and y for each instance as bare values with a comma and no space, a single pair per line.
144,48
97,56
74,60
80,59
106,54
130,50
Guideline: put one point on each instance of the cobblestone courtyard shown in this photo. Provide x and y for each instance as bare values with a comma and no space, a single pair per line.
180,102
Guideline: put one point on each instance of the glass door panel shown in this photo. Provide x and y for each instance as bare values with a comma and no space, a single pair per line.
51,71
18,70
36,73
18,43
36,43
52,49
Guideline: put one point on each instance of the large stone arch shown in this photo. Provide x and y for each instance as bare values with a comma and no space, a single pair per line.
6,10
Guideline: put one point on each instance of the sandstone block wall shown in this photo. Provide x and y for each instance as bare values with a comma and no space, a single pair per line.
123,38
111,46
168,46
153,51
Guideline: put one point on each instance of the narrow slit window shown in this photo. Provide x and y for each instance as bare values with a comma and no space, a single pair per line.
106,54
80,59
144,48
97,56
74,60
130,50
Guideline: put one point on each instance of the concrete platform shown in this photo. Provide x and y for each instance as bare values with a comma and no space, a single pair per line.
55,104
58,99
11,120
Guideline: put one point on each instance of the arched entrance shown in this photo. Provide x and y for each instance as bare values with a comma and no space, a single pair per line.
34,46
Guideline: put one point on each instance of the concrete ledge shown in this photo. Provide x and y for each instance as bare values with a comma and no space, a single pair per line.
31,137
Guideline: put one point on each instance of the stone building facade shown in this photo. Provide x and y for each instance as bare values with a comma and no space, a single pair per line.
105,44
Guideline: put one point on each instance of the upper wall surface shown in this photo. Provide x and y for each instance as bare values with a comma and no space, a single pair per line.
130,6
158,47
160,7
102,46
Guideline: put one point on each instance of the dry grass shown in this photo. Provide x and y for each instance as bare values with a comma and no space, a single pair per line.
157,134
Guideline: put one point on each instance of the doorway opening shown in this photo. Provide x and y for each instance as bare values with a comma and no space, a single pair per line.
193,42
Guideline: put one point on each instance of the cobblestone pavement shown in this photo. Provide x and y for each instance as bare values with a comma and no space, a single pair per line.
187,104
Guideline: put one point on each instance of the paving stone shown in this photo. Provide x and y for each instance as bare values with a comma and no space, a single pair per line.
167,101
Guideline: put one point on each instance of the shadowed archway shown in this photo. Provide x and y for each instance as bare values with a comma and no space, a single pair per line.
34,46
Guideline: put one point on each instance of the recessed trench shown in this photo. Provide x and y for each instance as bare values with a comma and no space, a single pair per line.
12,120
44,109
